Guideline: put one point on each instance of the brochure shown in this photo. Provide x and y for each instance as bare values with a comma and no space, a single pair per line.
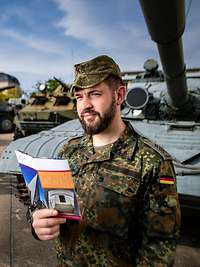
50,183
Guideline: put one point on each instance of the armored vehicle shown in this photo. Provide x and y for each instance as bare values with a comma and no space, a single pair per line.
164,106
9,90
45,110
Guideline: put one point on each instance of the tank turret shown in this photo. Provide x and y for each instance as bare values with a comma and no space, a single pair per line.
177,97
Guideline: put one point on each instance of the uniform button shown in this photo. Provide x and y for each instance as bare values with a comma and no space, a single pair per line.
101,179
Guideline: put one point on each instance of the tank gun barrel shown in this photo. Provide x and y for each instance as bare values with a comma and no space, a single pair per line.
166,23
61,83
6,88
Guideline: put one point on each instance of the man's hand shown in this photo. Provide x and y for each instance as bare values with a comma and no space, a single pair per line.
45,223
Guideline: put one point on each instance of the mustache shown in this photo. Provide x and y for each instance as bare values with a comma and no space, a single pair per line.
90,111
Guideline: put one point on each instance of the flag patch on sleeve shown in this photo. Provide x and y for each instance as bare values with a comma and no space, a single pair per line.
167,180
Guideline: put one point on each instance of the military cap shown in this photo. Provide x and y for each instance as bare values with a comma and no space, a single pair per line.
94,71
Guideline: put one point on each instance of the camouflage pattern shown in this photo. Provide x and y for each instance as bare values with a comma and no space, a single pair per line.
94,71
129,217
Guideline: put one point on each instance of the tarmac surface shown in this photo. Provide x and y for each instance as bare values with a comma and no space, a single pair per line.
19,249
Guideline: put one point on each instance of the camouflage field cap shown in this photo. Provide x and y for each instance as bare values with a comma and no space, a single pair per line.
94,71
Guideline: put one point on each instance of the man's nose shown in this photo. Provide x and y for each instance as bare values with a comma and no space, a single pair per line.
87,103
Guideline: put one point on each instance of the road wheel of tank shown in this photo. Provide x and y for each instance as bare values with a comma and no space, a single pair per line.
6,124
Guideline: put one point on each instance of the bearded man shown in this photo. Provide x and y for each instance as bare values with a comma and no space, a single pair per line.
129,216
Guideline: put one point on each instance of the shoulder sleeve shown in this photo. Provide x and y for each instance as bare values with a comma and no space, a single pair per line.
156,148
160,217
69,147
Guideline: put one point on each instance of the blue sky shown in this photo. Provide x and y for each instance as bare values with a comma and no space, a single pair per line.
45,38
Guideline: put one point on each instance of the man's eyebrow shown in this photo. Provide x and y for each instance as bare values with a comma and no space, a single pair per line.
88,92
77,93
95,90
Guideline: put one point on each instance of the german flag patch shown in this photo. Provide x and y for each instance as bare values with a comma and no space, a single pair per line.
167,180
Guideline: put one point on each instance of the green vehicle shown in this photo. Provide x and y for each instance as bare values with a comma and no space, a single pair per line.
9,90
45,110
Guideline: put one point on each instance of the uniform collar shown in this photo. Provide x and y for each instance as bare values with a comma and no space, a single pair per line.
123,147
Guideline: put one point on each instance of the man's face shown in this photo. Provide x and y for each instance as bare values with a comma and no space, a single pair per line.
96,108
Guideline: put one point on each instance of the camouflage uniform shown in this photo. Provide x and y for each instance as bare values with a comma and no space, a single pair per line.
129,203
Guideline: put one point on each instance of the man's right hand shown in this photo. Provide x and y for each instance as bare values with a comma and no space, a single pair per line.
46,223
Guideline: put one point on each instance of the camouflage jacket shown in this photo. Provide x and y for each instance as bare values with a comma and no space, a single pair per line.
127,193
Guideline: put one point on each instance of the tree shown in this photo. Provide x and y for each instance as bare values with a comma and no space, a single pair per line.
49,85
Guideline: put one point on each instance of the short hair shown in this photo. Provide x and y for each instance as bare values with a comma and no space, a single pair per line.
113,82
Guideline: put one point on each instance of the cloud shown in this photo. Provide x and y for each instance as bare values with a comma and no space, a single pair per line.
77,23
32,66
38,46
34,63
34,58
84,21
121,35
106,30
34,42
28,79
30,70
191,47
15,11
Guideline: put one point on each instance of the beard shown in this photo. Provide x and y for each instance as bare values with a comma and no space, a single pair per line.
103,121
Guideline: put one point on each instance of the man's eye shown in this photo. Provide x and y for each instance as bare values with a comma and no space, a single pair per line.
96,93
78,97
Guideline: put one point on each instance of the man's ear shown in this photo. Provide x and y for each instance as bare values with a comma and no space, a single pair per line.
120,92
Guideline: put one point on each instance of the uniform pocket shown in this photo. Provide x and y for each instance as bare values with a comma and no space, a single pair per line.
113,202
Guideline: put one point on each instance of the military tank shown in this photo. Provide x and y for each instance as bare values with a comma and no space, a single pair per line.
45,110
9,90
162,105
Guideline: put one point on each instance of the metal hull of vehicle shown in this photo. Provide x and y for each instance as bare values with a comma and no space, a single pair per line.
48,143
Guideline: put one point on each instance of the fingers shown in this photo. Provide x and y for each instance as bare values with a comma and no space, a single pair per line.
48,233
46,224
46,218
44,213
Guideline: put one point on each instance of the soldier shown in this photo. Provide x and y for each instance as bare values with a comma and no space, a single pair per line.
125,184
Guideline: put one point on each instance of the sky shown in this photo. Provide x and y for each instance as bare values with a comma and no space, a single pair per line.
40,39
